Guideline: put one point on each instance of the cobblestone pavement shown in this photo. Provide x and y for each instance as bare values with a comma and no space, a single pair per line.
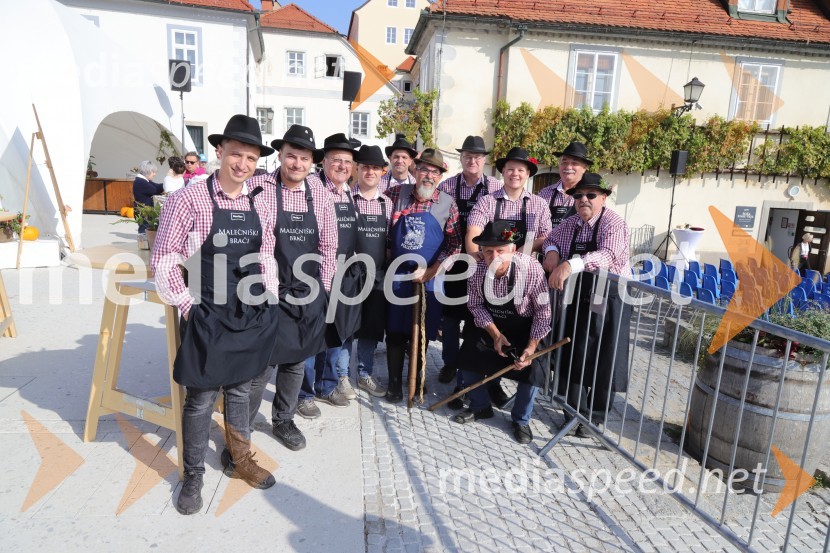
432,485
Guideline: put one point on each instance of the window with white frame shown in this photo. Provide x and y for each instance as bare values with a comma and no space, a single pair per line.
185,43
295,63
265,116
197,135
407,34
293,116
391,35
406,86
594,75
392,3
756,6
360,124
334,66
410,3
755,92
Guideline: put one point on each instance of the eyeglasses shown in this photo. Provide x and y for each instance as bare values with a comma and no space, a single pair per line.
472,157
589,195
338,161
429,171
187,162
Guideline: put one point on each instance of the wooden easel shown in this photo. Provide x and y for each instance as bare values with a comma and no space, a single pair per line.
58,198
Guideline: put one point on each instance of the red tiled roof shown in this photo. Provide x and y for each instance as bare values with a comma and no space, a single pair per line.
690,16
294,18
407,64
240,5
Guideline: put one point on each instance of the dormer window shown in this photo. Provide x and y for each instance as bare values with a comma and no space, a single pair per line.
757,6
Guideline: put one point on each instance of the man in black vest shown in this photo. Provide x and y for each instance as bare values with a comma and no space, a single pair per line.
401,155
573,162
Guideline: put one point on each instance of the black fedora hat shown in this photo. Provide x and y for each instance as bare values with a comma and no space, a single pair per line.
473,144
517,154
432,157
242,129
401,143
577,150
590,180
336,142
370,155
296,135
497,233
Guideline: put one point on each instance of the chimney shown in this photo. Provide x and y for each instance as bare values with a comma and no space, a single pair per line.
267,5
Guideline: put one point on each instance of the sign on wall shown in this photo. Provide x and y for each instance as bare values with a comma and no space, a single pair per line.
745,217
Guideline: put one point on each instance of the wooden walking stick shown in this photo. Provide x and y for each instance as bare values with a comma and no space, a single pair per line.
503,371
413,346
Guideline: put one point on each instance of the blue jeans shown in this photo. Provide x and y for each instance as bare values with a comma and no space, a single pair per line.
321,374
522,406
196,415
366,357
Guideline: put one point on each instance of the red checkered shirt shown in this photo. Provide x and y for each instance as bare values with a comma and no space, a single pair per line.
184,225
538,212
373,205
452,230
387,181
448,185
294,200
530,294
341,195
612,242
561,198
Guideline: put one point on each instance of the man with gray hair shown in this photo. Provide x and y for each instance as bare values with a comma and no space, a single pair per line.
144,188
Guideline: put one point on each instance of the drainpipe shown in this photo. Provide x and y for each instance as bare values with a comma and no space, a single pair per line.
522,29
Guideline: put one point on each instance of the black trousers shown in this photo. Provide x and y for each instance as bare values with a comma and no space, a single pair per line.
397,348
289,379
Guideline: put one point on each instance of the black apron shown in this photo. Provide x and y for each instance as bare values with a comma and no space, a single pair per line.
519,224
302,327
346,317
477,353
225,340
458,288
371,240
579,310
558,213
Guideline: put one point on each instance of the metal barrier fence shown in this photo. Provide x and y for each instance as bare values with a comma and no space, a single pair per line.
641,240
741,412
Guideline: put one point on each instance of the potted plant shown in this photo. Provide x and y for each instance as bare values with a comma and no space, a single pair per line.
11,226
146,215
91,173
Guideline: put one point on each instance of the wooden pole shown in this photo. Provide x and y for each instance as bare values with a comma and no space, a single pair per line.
503,371
413,346
26,199
58,198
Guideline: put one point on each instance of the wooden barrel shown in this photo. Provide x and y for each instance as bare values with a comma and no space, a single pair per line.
793,418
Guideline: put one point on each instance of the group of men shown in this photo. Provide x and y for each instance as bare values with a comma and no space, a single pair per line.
290,270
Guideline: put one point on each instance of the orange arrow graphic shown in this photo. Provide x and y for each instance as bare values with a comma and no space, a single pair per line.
152,465
237,488
57,461
798,481
749,301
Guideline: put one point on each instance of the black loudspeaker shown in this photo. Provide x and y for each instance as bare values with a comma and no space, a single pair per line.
180,72
678,162
351,85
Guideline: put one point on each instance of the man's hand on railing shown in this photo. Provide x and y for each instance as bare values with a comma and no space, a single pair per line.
559,275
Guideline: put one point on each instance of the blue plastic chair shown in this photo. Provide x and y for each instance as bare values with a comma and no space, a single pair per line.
823,300
686,290
661,282
672,272
725,264
664,272
783,306
814,276
711,271
648,266
799,297
728,275
644,277
808,287
705,295
691,279
710,284
694,267
727,290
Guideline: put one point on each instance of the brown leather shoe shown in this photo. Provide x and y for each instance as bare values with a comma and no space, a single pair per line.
245,467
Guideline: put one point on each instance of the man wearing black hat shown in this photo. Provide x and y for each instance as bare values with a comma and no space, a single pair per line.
306,247
401,155
573,162
510,308
374,214
327,374
226,337
425,224
466,188
595,239
528,212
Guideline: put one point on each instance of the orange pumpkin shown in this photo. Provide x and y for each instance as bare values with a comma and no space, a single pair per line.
128,212
30,233
123,211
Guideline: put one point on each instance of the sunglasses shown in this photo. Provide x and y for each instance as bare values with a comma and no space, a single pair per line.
190,162
589,195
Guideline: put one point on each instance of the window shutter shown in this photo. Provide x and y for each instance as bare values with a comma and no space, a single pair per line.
319,67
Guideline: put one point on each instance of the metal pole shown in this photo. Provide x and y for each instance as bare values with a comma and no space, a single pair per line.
181,97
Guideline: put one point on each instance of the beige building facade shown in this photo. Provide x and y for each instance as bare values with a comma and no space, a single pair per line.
385,27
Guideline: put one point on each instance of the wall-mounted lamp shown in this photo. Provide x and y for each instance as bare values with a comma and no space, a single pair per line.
691,94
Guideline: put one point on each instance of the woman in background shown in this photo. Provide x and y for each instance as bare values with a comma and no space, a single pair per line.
175,177
144,188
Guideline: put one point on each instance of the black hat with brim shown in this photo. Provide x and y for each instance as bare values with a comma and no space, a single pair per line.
243,129
497,233
296,135
401,143
336,142
518,154
473,144
370,155
577,150
591,181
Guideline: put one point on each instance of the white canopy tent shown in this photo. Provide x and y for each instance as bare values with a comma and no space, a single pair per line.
85,86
